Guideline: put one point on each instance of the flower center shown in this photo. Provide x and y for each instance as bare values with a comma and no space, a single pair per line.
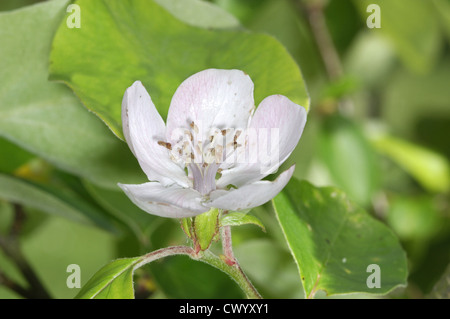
204,177
204,156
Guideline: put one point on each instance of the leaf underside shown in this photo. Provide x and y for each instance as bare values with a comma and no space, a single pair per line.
113,281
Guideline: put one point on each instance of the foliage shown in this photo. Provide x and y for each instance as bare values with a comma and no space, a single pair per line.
372,180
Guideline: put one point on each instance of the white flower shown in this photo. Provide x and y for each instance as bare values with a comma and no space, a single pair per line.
212,131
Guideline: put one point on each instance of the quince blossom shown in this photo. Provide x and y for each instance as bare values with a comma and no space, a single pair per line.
215,148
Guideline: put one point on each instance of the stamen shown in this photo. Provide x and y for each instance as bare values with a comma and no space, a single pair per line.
197,148
202,157
194,127
219,153
188,133
236,136
166,145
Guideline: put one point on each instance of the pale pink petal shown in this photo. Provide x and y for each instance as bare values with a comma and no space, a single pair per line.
143,127
276,117
250,195
172,201
211,99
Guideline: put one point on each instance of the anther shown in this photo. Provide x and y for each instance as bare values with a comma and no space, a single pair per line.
238,133
194,127
219,153
188,133
166,145
197,149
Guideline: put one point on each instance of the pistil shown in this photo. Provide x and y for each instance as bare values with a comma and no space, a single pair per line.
203,158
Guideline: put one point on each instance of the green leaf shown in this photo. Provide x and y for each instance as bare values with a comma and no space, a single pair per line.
370,60
416,36
120,42
55,243
416,218
281,20
45,118
350,158
52,200
206,226
199,13
269,266
243,10
113,281
430,169
186,226
443,9
12,156
442,288
6,217
180,277
120,206
409,100
50,244
238,219
333,241
6,5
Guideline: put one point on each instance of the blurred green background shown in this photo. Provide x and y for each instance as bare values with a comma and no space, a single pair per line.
378,128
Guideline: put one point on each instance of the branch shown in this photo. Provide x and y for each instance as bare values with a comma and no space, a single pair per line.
330,56
12,285
227,247
231,261
235,272
11,247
